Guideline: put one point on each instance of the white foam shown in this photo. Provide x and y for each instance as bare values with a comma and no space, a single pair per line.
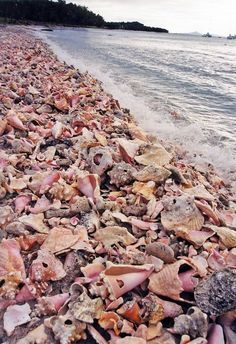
189,135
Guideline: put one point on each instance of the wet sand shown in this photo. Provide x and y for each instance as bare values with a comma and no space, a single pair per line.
107,234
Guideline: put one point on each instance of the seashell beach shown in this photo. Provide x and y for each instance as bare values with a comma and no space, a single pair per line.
108,235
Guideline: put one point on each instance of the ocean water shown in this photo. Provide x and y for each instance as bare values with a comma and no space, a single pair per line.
179,87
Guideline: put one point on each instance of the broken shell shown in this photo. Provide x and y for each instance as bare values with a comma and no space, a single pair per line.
34,221
157,174
181,213
99,160
36,336
114,235
216,294
14,316
162,251
122,174
89,186
120,279
6,215
227,236
128,149
110,320
131,311
155,155
200,192
194,323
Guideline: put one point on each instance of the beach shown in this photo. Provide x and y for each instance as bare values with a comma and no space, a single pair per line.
108,234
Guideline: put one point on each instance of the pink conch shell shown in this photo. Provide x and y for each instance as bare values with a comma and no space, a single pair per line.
48,181
46,268
113,235
215,335
34,221
15,122
180,213
89,186
21,202
15,316
60,239
144,225
42,204
155,155
37,336
197,237
227,236
205,208
57,130
216,261
128,149
120,279
51,304
99,160
92,270
169,282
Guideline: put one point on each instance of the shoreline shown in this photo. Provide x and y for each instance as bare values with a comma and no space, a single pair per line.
99,216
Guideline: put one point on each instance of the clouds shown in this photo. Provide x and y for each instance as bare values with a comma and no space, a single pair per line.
215,16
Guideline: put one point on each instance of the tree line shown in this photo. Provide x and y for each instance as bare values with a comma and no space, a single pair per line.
60,12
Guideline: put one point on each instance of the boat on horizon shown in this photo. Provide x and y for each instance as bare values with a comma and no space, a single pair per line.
207,35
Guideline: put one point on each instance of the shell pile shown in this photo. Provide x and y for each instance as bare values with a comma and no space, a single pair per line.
107,234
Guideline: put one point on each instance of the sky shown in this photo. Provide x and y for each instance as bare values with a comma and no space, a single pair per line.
214,16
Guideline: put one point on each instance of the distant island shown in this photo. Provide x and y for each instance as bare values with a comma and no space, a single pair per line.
60,13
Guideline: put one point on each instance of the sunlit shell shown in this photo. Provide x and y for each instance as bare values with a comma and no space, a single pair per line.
155,155
34,221
194,323
37,336
121,174
154,173
89,185
130,311
136,132
15,122
57,129
60,239
180,213
199,191
227,236
147,190
167,282
110,321
113,235
10,258
61,104
46,267
14,316
6,215
50,305
206,209
120,279
128,149
196,237
3,125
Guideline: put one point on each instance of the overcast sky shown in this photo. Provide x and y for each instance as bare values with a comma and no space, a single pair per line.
215,16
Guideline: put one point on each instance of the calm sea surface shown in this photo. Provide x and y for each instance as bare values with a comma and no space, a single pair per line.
159,74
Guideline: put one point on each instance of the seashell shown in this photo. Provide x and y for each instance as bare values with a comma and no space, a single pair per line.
215,261
154,331
10,259
57,129
33,90
227,321
36,336
42,205
110,321
14,316
63,191
196,237
144,225
205,208
130,311
194,323
34,221
137,132
96,335
89,186
128,149
46,267
21,203
146,190
3,125
216,294
85,309
168,281
14,121
45,108
154,173
27,242
48,181
99,160
61,104
162,251
227,236
6,215
155,155
59,240
130,340
113,235
200,192
16,228
216,335
66,329
121,174
50,305
180,213
119,279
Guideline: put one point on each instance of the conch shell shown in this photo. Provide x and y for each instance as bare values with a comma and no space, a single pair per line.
153,173
156,155
89,186
169,282
14,316
227,236
181,213
128,149
34,221
120,279
99,160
